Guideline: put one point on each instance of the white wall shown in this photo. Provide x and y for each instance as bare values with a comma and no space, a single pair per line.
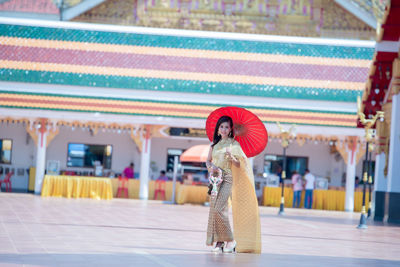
124,149
22,154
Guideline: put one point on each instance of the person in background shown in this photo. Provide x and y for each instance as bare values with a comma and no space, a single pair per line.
297,189
187,179
310,184
279,173
162,176
129,171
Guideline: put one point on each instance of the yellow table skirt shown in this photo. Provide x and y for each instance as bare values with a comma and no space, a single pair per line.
76,187
105,188
194,194
134,187
323,199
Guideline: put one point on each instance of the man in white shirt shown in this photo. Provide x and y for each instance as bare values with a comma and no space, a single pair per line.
310,181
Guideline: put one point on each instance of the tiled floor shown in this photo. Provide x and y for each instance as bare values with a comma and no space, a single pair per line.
37,231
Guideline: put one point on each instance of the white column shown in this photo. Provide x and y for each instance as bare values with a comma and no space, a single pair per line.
394,148
380,183
176,160
40,161
145,169
393,188
380,187
350,180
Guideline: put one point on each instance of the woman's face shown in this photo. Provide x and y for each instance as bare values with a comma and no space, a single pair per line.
224,129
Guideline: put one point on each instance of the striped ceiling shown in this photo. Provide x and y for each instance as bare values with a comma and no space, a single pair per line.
154,62
59,102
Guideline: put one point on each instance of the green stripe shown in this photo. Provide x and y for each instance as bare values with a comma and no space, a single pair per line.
172,102
183,86
150,115
197,43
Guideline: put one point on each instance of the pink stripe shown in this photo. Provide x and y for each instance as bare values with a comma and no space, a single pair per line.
37,6
187,64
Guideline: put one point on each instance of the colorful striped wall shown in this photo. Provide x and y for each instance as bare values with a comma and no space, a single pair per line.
182,64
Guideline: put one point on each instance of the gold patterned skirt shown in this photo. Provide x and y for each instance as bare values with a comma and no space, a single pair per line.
219,228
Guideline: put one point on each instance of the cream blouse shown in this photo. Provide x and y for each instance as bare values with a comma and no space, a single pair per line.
219,158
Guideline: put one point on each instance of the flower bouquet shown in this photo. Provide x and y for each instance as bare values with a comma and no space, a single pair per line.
215,179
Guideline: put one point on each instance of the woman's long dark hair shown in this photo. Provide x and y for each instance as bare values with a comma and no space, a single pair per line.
216,137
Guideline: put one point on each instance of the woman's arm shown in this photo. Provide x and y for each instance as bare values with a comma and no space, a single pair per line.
209,163
210,166
235,161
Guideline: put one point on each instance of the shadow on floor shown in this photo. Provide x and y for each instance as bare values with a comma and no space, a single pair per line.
202,231
142,258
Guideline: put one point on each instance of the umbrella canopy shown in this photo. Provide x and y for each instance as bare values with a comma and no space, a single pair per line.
197,153
248,129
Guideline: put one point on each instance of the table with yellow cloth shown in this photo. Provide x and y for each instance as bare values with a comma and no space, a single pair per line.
322,199
76,187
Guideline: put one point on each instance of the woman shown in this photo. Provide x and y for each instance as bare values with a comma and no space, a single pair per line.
226,154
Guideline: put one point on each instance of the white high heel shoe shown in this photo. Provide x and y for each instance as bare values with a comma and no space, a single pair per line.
219,247
232,249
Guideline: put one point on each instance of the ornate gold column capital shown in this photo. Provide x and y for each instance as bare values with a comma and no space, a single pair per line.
42,125
137,136
350,144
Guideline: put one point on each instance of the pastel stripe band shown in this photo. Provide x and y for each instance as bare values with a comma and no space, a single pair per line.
21,100
181,52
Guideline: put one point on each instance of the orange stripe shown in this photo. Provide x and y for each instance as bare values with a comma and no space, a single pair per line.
199,108
329,119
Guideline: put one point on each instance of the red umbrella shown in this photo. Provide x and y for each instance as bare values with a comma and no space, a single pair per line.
248,129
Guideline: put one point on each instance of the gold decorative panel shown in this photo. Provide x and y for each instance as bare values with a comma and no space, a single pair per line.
317,18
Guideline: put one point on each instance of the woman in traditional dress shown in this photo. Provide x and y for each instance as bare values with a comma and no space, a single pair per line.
238,183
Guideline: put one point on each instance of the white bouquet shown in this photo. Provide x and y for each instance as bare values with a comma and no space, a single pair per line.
215,179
